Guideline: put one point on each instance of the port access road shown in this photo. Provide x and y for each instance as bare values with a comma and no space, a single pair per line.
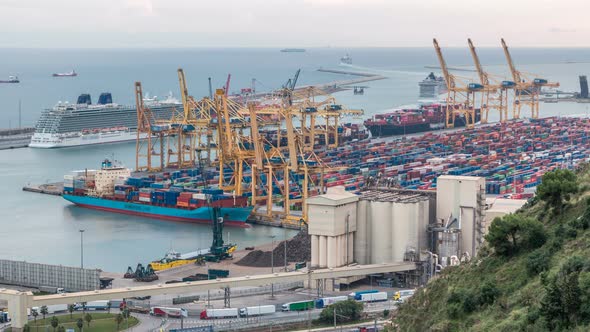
18,302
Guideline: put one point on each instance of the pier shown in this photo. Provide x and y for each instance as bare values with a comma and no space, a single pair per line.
54,188
15,138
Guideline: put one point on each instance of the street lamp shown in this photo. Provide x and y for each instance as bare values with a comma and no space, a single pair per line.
272,266
81,248
285,247
81,259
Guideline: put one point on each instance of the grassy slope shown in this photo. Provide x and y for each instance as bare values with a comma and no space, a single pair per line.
427,310
100,322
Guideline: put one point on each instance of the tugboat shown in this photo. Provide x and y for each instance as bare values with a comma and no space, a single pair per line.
346,60
68,74
11,79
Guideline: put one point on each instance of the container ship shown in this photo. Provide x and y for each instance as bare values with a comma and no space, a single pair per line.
85,123
412,120
169,196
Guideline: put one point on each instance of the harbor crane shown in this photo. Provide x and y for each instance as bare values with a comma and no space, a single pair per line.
150,136
527,90
494,96
460,100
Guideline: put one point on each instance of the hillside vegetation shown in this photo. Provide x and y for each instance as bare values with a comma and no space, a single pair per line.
533,273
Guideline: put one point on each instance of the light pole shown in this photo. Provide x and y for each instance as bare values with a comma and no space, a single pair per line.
81,248
81,259
272,266
285,246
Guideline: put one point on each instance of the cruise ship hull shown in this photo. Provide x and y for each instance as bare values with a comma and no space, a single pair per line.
49,141
235,216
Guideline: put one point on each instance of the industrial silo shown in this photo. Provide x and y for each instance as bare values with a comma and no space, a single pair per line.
381,218
361,248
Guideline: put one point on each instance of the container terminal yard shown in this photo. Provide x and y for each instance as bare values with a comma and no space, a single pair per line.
377,215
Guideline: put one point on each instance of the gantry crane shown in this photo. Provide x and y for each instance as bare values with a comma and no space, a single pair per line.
526,90
460,100
314,103
494,96
150,136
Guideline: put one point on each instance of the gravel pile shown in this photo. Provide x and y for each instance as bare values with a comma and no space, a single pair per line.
298,250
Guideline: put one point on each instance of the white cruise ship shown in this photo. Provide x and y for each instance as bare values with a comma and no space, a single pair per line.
85,123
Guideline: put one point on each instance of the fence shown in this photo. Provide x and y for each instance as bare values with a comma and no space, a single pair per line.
37,275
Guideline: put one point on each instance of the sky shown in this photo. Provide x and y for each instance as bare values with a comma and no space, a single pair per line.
291,23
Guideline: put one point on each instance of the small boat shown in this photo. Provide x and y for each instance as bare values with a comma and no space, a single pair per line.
68,74
11,79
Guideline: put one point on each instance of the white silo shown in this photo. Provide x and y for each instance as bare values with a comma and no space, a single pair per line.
323,259
399,230
331,253
315,250
361,245
381,232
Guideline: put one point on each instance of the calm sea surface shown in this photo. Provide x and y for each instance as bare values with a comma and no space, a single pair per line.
39,228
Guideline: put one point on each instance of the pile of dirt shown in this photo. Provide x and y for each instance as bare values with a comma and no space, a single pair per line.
298,250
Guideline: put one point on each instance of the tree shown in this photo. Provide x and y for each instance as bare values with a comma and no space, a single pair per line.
88,319
54,322
71,309
125,313
511,233
27,328
556,186
44,311
80,324
346,311
119,320
61,328
35,313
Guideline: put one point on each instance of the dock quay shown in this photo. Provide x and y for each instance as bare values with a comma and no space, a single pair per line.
54,188
15,138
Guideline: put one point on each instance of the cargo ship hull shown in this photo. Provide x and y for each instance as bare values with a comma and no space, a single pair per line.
393,129
235,216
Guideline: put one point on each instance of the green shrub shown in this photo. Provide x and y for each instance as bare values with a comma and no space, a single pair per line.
346,311
538,261
488,293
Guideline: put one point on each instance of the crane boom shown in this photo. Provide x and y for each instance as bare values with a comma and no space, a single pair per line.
443,66
515,73
227,84
183,93
483,76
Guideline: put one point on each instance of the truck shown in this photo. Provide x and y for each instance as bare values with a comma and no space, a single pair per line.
356,295
326,301
168,312
373,297
93,305
298,306
51,289
257,311
219,313
402,295
53,308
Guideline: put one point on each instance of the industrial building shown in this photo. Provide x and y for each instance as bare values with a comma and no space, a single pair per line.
386,225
